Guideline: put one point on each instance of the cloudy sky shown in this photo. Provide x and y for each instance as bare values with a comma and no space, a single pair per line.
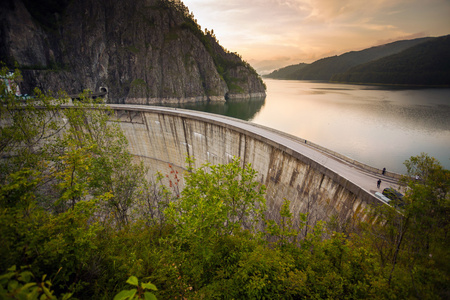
270,34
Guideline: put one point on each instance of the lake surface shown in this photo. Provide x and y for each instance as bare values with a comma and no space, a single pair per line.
375,125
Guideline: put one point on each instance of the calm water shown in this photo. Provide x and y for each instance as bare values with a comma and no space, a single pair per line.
374,125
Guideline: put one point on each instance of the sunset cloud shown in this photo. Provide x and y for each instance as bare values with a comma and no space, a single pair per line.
271,34
329,10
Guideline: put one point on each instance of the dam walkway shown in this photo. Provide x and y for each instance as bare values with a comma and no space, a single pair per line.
363,176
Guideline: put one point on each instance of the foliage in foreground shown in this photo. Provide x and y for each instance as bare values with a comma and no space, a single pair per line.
81,220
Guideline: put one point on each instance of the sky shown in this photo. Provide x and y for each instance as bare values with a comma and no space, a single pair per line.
270,34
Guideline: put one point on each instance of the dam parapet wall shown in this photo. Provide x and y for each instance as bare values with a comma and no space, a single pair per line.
162,138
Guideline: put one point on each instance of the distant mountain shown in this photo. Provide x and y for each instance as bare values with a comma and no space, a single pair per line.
286,72
427,63
325,68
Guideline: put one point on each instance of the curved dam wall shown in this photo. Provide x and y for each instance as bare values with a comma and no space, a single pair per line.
165,137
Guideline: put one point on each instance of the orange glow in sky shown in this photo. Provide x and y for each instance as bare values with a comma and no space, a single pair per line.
270,34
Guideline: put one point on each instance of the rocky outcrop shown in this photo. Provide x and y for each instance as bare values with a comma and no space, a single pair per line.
142,51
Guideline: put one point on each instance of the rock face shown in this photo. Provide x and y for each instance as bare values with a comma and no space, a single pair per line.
142,51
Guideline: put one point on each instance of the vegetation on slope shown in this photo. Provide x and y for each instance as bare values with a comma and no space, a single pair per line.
425,64
78,218
286,72
324,69
142,51
228,64
224,60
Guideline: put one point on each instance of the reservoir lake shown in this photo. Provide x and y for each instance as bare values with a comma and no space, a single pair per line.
379,126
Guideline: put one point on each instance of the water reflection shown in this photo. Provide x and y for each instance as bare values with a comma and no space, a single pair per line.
376,125
244,109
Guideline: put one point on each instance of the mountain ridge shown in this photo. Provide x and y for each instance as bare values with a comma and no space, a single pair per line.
426,64
327,69
141,52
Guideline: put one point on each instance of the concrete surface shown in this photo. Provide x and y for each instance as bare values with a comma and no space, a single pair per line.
314,179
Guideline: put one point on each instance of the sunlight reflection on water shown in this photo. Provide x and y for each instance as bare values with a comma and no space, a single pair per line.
377,126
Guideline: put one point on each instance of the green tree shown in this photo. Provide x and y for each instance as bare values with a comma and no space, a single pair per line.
411,239
427,209
26,126
20,284
285,233
65,171
217,201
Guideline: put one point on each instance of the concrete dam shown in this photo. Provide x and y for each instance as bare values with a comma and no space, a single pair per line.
316,180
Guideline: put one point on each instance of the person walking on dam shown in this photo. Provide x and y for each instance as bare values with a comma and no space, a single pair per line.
378,183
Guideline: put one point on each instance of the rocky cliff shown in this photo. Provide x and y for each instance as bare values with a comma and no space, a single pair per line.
142,51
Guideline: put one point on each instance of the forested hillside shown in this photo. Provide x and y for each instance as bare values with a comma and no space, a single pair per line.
286,72
425,64
325,68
